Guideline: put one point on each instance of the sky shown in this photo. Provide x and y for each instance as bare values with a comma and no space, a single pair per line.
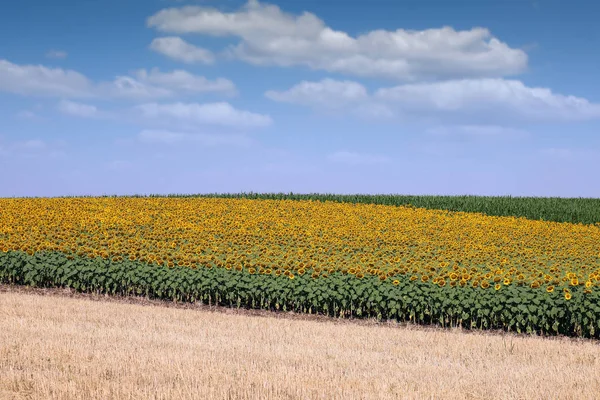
496,97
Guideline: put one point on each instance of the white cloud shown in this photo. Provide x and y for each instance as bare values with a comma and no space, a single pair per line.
325,93
38,80
353,158
178,49
269,36
184,81
58,54
480,101
491,96
374,111
78,109
42,81
333,95
221,113
171,138
128,87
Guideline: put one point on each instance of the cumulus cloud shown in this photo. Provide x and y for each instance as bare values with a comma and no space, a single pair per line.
353,158
326,93
78,109
491,96
184,81
38,80
484,99
180,50
220,113
203,139
333,95
270,36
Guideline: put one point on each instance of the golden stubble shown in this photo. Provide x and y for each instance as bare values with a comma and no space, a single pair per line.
54,347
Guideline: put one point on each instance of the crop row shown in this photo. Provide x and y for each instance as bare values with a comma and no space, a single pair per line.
572,312
557,209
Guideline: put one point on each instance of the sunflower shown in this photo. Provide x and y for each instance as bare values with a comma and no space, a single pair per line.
485,284
550,289
396,282
574,282
497,286
568,296
291,276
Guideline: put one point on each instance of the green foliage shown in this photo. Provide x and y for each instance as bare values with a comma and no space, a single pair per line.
512,308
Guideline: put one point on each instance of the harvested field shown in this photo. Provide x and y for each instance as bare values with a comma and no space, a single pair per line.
73,348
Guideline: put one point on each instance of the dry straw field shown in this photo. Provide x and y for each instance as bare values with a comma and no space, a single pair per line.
74,348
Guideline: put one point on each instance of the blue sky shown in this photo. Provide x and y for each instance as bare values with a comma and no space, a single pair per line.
411,97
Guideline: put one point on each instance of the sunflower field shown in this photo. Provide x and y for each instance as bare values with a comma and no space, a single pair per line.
339,258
